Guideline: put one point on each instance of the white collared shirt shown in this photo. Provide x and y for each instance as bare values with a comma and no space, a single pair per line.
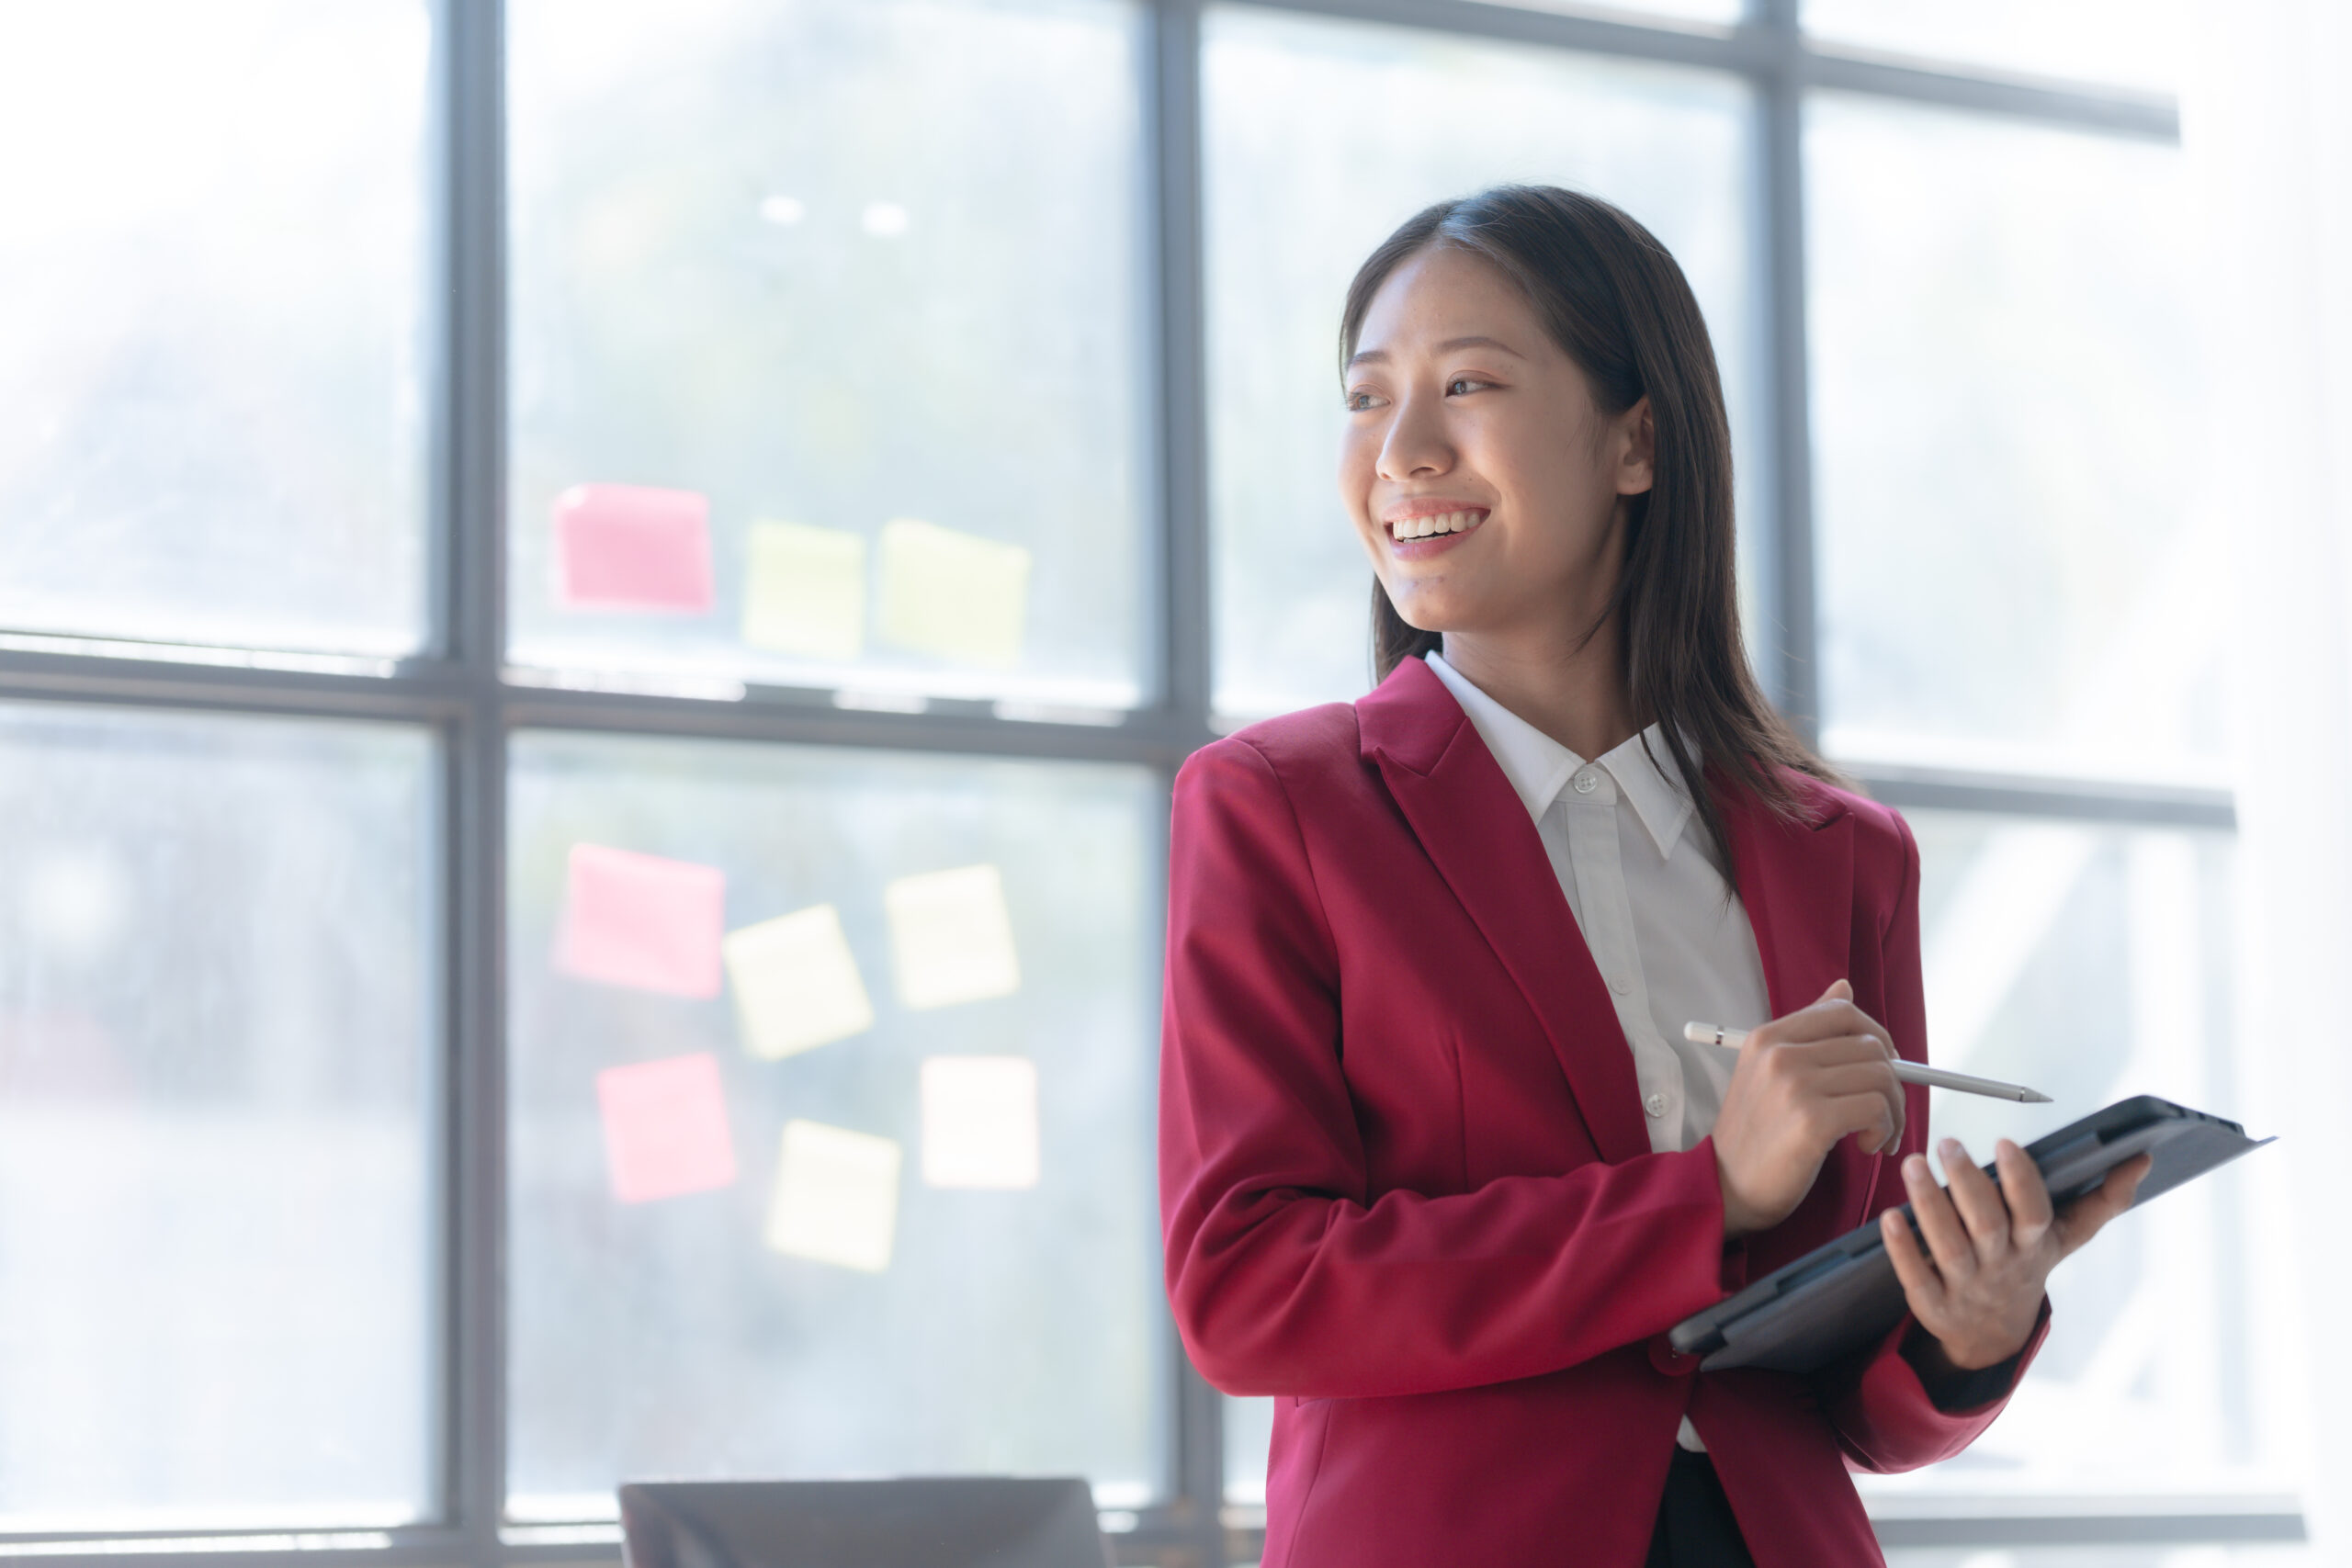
1671,941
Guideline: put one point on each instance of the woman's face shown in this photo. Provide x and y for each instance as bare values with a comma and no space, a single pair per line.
1483,479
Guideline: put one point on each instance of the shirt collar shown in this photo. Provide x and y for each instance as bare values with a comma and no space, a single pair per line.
1538,767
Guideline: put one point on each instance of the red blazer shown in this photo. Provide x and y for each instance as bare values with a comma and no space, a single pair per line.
1405,1181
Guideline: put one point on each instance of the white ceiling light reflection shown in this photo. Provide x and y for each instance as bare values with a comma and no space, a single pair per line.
75,901
782,210
884,220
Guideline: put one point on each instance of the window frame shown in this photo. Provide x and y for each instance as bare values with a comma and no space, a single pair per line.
461,688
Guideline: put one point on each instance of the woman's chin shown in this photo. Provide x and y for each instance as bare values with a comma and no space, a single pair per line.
1427,611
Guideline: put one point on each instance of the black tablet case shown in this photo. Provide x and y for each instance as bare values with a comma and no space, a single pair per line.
1839,1297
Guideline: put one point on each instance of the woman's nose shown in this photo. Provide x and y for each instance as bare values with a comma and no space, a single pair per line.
1416,447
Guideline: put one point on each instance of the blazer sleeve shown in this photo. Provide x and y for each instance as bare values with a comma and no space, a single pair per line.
1287,1274
1884,1416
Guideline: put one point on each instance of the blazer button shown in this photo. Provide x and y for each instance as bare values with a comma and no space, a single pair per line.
1670,1360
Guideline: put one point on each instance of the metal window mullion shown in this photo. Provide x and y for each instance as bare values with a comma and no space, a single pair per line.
1172,171
1792,662
472,529
1511,22
1172,87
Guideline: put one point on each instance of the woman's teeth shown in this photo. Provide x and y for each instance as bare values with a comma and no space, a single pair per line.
1442,522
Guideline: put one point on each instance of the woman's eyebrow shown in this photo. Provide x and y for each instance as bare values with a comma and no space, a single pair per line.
1452,343
1380,355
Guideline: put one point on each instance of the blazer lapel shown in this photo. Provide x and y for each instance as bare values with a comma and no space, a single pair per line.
1477,832
1796,884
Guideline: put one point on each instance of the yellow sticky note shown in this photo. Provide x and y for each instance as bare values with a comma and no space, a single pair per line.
979,1121
951,937
796,982
836,1197
955,594
804,589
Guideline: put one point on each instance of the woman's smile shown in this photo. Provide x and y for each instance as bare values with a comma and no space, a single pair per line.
1419,529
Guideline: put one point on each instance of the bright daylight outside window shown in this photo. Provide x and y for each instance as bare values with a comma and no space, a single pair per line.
852,297
217,1305
598,600
836,310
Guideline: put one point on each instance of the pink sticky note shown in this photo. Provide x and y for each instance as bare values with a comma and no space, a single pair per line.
632,547
641,920
665,1128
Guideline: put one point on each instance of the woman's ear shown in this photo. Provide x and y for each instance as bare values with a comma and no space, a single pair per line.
1636,446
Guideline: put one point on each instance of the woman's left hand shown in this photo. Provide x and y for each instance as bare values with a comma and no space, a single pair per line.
1978,1289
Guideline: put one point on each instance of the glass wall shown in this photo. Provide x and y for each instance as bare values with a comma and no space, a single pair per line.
217,1132
212,253
2139,44
828,321
2005,388
806,1044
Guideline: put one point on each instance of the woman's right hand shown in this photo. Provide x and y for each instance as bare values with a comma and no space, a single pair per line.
1805,1081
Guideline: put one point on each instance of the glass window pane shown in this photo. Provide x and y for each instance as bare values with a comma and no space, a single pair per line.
1321,138
211,406
217,1303
864,1187
851,298
2129,44
2004,381
2111,1555
2094,962
1248,1434
1722,13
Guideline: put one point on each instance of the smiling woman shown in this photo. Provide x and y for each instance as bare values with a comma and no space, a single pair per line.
1437,1161
1623,492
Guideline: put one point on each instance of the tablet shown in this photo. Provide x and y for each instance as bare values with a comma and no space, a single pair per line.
1842,1296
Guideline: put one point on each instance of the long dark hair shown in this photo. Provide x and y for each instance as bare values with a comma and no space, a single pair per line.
1613,298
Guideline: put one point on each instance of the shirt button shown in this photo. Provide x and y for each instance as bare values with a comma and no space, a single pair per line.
1586,782
1655,1105
1619,986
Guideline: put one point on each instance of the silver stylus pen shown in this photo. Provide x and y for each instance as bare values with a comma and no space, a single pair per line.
1909,1072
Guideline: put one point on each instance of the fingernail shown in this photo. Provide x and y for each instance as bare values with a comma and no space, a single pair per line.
1949,1149
1914,1167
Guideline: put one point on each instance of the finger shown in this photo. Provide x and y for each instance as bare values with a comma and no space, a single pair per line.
1873,1079
2123,1181
1862,1116
1880,1033
1922,1286
2026,1195
1836,1074
1948,1240
2084,1218
1871,1075
1978,1199
1836,1051
1833,1014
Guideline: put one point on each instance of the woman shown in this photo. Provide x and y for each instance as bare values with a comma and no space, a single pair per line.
1438,1170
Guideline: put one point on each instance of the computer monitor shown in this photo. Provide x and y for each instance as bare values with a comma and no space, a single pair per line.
934,1522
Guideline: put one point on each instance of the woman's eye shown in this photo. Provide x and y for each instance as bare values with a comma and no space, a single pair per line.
1359,401
1462,383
